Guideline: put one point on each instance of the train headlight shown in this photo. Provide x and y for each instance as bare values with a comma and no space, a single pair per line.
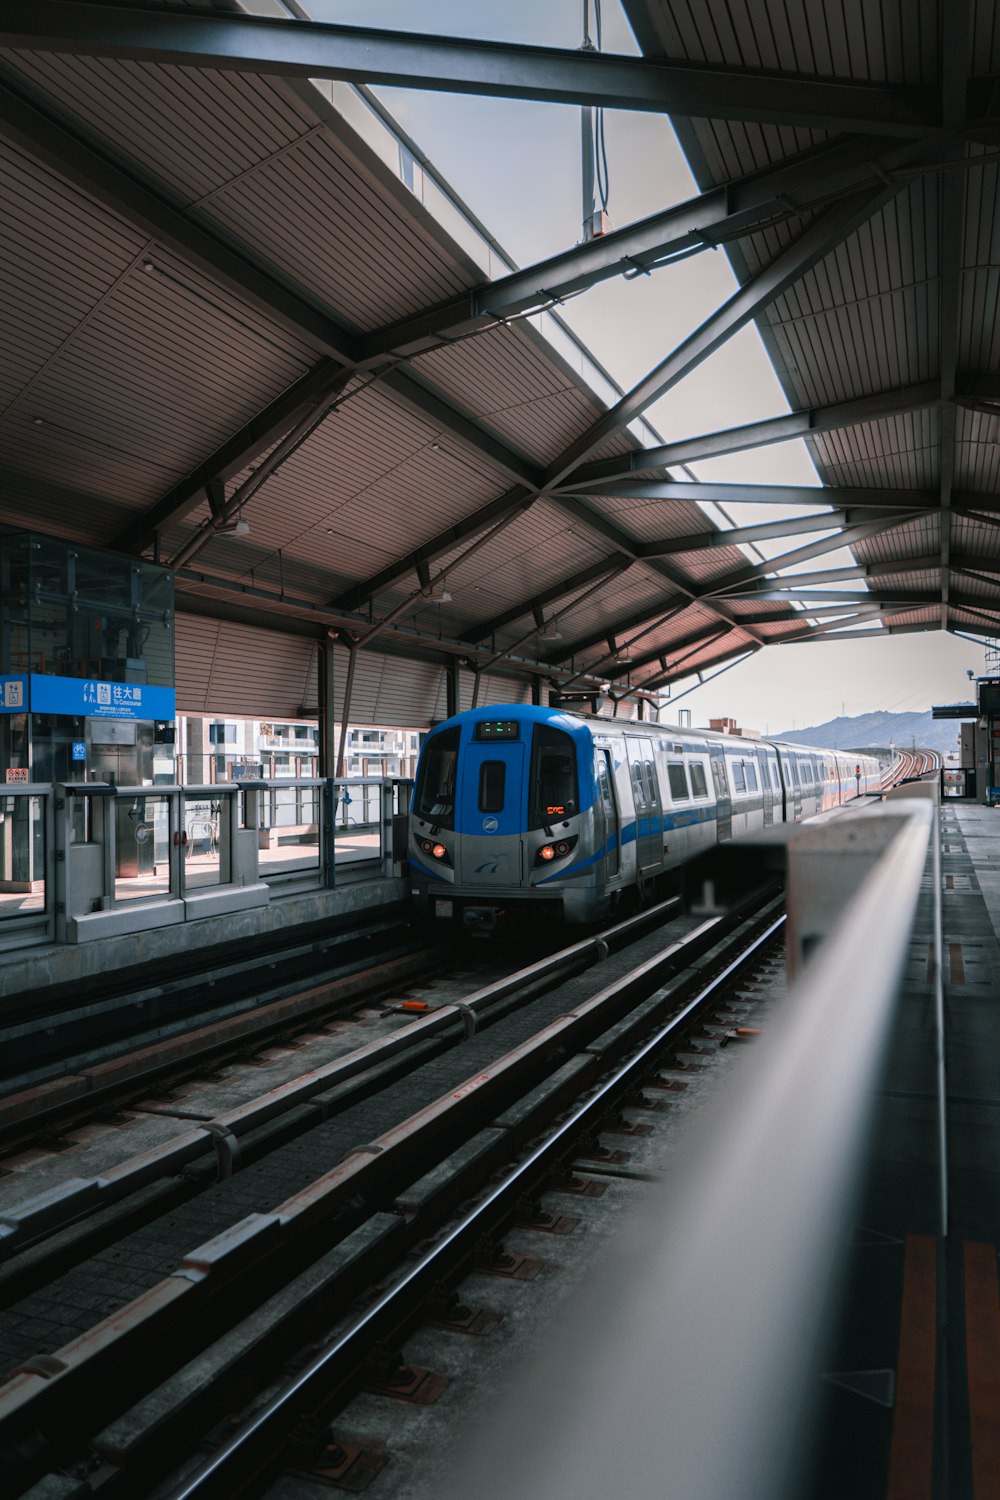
556,850
436,851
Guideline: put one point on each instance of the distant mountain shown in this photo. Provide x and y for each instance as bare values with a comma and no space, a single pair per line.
877,729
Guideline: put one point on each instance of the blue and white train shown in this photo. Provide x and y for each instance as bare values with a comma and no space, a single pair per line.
516,806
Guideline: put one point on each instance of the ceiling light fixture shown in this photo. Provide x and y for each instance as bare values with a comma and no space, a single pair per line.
239,527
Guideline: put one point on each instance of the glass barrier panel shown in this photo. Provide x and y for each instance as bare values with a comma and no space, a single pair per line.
22,856
205,861
358,822
288,833
142,865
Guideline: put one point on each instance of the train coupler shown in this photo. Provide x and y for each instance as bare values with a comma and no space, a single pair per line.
484,919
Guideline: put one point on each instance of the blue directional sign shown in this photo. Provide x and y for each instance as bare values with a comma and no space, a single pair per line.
79,750
91,698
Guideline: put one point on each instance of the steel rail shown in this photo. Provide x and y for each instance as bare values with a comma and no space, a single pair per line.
163,1320
225,1474
80,1196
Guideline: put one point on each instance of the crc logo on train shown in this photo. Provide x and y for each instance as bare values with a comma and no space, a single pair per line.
490,825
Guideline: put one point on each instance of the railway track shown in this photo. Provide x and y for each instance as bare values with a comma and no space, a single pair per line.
86,1028
909,765
129,1335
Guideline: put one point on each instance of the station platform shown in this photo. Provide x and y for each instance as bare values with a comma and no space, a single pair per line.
913,1406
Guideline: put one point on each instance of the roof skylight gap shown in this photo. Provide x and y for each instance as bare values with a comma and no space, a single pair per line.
526,197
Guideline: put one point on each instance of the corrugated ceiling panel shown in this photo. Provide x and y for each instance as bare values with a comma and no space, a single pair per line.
143,375
492,689
499,370
249,156
193,130
979,318
60,253
928,617
985,37
894,40
318,215
386,690
894,453
61,510
369,486
983,590
649,520
977,466
865,319
624,597
708,566
916,538
224,668
733,148
537,550
977,539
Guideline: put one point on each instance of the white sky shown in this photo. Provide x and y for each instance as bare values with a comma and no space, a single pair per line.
517,165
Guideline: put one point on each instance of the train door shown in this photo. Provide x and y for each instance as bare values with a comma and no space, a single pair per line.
648,823
723,797
765,787
491,795
607,823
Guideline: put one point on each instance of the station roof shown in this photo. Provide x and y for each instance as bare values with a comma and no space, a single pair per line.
236,299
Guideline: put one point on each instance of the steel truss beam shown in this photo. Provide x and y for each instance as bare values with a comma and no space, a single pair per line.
804,252
793,188
704,541
445,541
687,646
822,597
607,568
845,537
840,628
684,590
703,491
755,588
316,49
797,424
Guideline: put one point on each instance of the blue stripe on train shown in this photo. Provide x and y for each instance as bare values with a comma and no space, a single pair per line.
687,819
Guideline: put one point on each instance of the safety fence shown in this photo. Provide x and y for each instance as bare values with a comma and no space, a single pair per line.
87,859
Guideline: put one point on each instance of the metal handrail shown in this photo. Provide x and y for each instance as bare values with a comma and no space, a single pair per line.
709,1321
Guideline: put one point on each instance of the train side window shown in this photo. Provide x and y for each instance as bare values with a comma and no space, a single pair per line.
751,774
434,798
638,789
492,777
739,779
652,789
776,784
698,784
604,782
678,781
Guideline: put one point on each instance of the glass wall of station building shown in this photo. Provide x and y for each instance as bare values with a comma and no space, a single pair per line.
86,687
226,749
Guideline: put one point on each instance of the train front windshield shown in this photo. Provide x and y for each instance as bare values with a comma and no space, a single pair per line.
553,792
435,793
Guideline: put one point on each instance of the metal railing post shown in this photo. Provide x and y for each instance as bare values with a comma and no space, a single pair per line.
59,837
328,825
